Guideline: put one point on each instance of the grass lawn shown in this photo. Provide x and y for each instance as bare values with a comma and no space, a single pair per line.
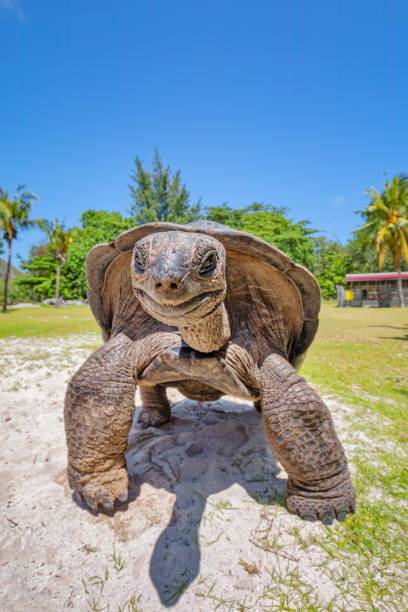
47,321
360,356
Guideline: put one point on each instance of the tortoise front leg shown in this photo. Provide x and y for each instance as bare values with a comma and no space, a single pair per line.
156,407
301,434
99,407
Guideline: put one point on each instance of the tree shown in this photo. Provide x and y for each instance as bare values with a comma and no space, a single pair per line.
331,263
160,195
272,225
97,226
387,224
363,257
39,279
60,241
14,216
232,217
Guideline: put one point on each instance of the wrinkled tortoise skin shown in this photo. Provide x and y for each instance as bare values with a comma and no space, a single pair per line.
211,311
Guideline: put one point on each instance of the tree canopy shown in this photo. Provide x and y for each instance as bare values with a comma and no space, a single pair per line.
272,224
386,224
42,264
61,240
331,263
39,280
328,260
15,216
97,226
160,195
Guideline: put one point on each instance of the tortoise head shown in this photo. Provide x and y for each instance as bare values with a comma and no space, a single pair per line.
179,279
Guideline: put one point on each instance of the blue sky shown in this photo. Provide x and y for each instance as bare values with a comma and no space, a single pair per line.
296,103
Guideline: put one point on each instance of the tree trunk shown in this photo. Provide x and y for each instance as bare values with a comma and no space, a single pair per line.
6,279
399,285
57,283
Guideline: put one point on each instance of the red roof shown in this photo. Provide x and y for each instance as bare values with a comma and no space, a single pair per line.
376,276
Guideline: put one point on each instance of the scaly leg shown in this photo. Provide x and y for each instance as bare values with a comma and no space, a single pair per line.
301,434
156,407
99,407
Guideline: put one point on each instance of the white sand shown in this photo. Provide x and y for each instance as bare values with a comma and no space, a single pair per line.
196,513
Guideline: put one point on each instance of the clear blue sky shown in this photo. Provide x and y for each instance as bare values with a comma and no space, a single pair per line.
296,103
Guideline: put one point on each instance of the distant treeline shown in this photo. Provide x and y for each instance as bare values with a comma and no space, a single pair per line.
327,259
56,268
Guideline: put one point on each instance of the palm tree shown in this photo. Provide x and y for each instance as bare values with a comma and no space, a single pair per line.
14,216
387,224
60,241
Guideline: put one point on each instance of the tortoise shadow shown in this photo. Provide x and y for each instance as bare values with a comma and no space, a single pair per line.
205,449
390,326
404,338
399,328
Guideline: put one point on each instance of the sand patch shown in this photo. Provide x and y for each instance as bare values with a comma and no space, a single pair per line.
204,528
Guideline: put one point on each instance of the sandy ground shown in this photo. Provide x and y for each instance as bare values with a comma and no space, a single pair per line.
204,529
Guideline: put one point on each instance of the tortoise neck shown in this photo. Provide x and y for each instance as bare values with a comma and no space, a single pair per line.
209,333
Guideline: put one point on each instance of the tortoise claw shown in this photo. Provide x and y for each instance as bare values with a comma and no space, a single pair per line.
79,497
327,517
309,515
107,504
90,502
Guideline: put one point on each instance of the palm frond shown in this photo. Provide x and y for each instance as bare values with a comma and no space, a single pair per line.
404,246
396,257
386,220
381,258
382,234
27,223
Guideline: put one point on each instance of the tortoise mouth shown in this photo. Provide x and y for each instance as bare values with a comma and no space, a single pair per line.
198,306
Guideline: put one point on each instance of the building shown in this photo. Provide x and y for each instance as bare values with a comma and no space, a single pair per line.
379,289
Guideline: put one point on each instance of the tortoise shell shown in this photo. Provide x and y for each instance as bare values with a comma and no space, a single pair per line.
257,272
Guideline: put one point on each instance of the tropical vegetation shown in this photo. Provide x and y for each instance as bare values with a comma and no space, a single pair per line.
160,195
60,241
271,223
386,224
15,216
39,281
56,268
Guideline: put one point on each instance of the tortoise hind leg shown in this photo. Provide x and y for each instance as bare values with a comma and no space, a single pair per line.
155,406
301,434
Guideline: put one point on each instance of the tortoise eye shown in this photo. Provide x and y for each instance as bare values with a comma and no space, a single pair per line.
209,264
138,262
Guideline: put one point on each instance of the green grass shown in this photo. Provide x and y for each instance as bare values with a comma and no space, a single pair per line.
361,356
47,321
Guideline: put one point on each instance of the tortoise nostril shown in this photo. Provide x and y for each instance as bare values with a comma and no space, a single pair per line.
162,286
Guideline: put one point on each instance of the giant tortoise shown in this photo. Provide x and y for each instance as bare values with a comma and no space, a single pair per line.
211,311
